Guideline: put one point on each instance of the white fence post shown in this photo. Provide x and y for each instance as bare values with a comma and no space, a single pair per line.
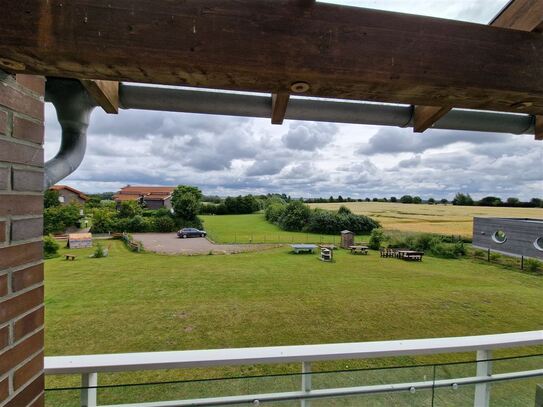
484,368
306,382
88,395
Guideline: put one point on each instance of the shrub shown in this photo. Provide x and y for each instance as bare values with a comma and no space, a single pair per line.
274,211
164,224
295,216
533,265
129,209
323,221
50,247
480,254
104,220
57,218
376,238
343,210
99,251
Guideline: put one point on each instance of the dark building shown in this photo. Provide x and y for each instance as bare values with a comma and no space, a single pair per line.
515,237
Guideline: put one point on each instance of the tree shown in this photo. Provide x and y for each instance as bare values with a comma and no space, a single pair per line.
50,198
129,209
431,201
536,202
417,200
57,219
406,199
186,201
393,199
295,216
512,201
490,201
462,200
444,201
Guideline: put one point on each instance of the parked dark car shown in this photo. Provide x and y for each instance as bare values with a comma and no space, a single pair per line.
191,232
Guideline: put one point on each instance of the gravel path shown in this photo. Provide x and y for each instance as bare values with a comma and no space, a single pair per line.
171,244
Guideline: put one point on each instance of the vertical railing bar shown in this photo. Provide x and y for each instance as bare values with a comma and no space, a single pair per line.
306,383
89,381
484,368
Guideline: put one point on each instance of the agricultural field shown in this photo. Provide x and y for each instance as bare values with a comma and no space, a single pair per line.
442,219
135,302
254,228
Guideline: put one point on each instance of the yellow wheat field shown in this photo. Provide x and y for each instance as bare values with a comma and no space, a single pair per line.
444,219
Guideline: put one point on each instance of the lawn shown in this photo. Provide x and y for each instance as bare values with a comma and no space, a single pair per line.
131,302
255,229
443,219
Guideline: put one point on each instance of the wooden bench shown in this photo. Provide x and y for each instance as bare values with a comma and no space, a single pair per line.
70,257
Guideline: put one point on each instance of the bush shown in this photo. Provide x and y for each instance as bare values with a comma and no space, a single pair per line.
295,217
50,247
324,222
57,219
99,251
533,265
164,224
274,211
104,220
376,238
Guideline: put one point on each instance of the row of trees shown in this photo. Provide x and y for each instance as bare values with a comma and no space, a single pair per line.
459,199
233,206
297,216
467,200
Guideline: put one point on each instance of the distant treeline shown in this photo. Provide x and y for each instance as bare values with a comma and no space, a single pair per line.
460,199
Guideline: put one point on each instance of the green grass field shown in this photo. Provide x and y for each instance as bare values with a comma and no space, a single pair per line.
132,302
255,229
442,219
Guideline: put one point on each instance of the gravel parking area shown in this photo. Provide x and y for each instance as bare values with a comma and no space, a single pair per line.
169,243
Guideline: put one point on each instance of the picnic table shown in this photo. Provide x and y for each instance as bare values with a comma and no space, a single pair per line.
300,248
410,255
70,257
359,249
328,246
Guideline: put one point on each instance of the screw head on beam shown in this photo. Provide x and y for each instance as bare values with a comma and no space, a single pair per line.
299,87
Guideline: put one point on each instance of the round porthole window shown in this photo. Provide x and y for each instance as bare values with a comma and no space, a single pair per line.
538,244
499,236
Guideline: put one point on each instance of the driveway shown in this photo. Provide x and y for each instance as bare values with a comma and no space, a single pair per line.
169,243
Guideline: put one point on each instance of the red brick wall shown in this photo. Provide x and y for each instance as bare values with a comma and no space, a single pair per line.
21,254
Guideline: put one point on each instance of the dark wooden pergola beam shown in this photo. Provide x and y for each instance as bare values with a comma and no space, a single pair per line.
539,127
105,93
266,46
279,107
524,15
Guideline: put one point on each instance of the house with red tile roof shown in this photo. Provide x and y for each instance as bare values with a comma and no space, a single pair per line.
153,197
67,195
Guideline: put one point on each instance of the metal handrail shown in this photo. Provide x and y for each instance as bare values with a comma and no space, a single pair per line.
88,366
122,362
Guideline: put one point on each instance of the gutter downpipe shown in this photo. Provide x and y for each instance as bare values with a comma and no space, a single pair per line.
74,106
249,105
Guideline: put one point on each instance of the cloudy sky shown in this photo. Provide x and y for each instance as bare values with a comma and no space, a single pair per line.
228,155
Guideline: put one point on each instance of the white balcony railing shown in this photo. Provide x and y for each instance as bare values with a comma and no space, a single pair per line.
89,366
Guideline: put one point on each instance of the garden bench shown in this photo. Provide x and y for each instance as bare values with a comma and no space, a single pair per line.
70,257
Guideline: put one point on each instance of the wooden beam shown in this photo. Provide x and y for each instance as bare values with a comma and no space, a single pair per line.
105,93
260,45
539,127
279,107
426,116
524,15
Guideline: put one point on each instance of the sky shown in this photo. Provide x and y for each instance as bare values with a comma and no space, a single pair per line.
230,155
